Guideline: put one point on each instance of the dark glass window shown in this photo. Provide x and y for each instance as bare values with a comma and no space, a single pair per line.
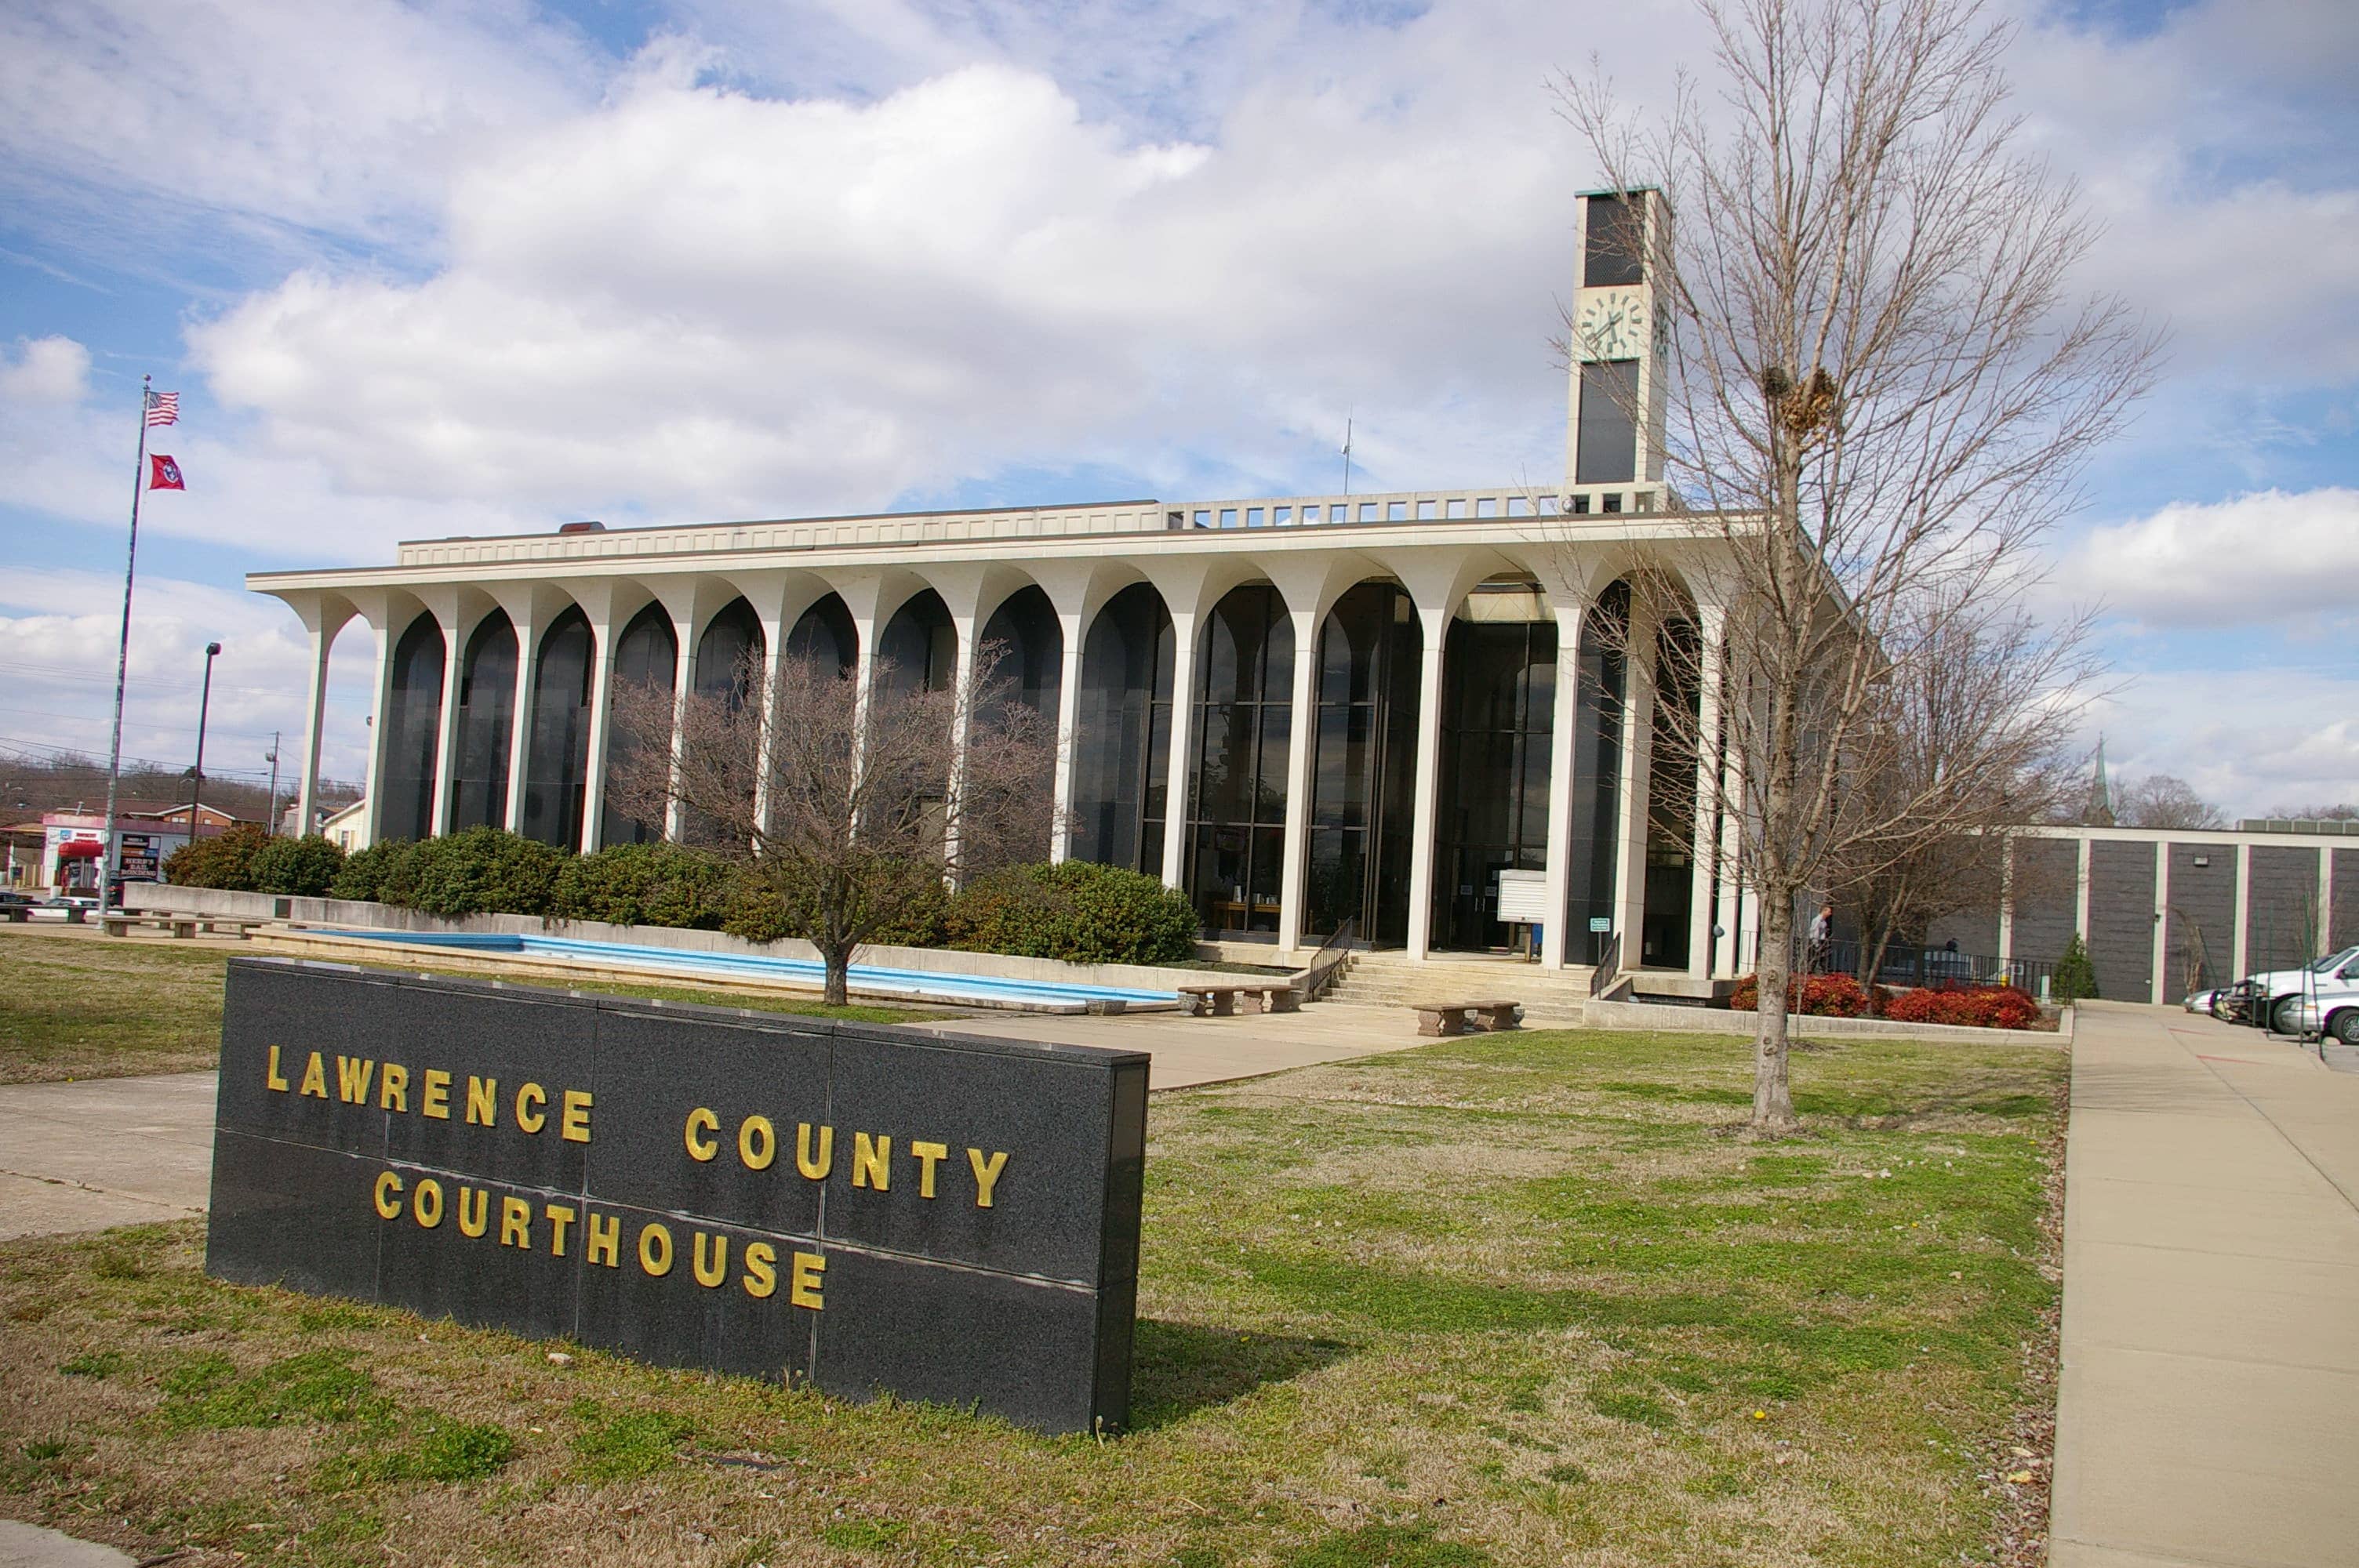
917,649
1363,768
825,633
557,764
1608,449
729,654
1597,772
1243,712
1615,249
1496,722
1671,801
1122,733
479,784
1031,651
413,724
646,655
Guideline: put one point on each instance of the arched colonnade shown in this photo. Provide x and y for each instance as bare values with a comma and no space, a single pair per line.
1367,735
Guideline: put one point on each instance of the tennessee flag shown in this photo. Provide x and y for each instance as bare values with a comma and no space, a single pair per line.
163,474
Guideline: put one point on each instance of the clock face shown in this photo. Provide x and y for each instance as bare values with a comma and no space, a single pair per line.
1612,326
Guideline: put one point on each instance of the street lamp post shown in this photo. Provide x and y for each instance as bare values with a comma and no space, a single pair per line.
204,702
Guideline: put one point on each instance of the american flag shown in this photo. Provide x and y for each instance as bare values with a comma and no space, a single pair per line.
163,407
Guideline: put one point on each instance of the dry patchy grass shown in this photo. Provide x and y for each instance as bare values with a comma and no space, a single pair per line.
1520,1300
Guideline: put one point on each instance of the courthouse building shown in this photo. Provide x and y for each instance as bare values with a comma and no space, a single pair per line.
1298,710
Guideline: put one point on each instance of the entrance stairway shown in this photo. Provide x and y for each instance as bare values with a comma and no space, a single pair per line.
1393,979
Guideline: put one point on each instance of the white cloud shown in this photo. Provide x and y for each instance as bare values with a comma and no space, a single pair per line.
2251,739
59,634
2273,560
45,370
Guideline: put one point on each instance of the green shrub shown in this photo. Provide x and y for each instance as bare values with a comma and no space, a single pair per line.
307,866
367,872
643,885
482,871
224,861
2076,976
761,912
1074,911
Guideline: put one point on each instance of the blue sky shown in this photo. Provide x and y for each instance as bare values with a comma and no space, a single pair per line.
440,268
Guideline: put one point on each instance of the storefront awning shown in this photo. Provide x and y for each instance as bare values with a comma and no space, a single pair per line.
80,849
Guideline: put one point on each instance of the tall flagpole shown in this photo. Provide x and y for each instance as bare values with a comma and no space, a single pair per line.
110,864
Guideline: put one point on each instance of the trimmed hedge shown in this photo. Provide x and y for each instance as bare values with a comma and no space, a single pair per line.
643,885
306,867
1819,996
224,861
1982,1007
1074,911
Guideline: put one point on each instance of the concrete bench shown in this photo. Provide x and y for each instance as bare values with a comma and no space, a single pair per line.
1221,1001
1441,1019
21,913
179,925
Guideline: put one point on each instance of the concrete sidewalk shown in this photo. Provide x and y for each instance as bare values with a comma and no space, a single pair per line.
104,1152
2209,1408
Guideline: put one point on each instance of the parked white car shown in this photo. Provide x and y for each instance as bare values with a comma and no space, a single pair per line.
2289,991
2333,1010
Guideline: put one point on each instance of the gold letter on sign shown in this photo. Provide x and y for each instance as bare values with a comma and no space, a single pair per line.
605,1238
478,1222
426,1203
655,1249
389,1194
702,1125
757,1142
872,1161
393,1089
929,1157
536,1118
315,1079
761,1270
352,1076
713,1272
574,1125
987,1174
814,1166
272,1079
516,1222
436,1101
483,1101
803,1283
560,1217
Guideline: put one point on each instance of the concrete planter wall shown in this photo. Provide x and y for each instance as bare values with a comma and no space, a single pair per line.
163,898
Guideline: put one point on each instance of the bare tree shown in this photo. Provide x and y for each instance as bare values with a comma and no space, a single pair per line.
1878,398
1965,745
847,806
2341,812
2159,800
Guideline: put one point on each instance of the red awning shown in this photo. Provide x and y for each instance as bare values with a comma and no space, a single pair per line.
80,849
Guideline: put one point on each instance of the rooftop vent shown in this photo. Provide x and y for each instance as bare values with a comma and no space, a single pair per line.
593,526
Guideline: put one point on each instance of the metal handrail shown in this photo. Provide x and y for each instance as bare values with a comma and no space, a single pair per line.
1326,963
1609,964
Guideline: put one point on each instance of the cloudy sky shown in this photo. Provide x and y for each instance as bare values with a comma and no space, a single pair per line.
461,268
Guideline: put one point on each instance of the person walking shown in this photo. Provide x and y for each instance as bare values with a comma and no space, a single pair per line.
1822,940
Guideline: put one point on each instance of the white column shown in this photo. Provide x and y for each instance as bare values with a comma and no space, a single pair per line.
527,636
446,737
1563,762
1187,637
1069,716
1706,852
2081,890
2007,903
1637,777
2161,918
968,630
1435,622
1302,729
683,673
1733,820
382,704
2244,908
306,786
601,691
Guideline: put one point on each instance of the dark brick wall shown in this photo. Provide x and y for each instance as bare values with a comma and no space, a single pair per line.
2047,900
2346,899
2121,919
2281,924
1975,930
2200,944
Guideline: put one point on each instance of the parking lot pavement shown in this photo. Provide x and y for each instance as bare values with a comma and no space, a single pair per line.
103,1151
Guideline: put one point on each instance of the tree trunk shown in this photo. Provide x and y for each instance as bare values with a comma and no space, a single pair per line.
838,958
1873,965
1773,1099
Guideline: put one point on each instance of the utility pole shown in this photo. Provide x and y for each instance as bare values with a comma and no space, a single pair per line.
204,703
271,826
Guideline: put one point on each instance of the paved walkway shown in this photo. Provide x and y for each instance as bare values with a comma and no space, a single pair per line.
2208,1411
106,1151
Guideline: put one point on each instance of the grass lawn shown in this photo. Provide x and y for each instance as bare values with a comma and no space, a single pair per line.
1527,1299
89,1007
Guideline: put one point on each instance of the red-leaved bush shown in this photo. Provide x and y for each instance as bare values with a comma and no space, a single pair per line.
1822,996
1983,1006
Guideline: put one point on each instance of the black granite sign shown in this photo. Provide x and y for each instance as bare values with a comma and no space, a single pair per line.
866,1209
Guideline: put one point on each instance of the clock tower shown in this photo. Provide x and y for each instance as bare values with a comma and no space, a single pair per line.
1615,399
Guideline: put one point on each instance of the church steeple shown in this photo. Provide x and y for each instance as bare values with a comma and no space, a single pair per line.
2099,812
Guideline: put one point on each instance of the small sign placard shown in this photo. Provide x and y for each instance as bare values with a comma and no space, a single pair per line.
866,1209
1601,923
